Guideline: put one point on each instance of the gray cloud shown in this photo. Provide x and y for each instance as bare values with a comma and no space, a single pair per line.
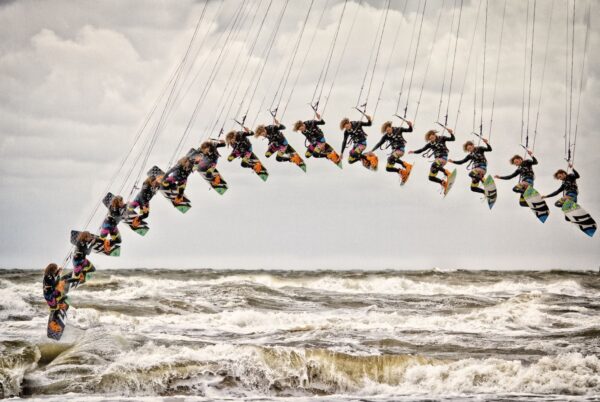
77,79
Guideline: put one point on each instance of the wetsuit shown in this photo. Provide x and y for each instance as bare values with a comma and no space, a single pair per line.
278,143
316,145
142,200
478,165
440,151
357,136
526,178
176,178
568,188
207,162
397,143
81,265
242,148
110,224
54,291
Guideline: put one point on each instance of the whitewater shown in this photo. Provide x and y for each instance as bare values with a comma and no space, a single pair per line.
177,335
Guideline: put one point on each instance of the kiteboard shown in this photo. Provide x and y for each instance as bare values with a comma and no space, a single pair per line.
335,158
297,160
215,180
537,204
182,204
259,168
489,188
451,179
579,216
370,161
98,245
139,226
405,177
56,321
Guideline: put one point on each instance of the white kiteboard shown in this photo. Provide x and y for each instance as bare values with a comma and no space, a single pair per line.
579,216
537,204
489,188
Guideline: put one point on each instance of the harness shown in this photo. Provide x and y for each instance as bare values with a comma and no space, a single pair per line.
312,133
81,250
146,193
570,184
438,149
526,171
275,136
356,135
396,139
50,283
242,144
115,215
181,172
478,159
207,159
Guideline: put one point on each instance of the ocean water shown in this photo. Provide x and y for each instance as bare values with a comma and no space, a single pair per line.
327,335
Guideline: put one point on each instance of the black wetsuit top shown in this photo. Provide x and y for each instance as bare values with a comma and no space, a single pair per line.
477,157
242,143
82,249
274,134
525,171
438,147
395,139
50,282
146,193
355,134
211,157
313,133
180,172
569,185
115,215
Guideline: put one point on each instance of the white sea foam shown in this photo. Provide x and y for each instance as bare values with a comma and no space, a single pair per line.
261,335
13,302
518,316
377,284
251,369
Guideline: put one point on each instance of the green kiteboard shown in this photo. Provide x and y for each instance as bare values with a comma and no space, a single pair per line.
489,188
574,213
451,179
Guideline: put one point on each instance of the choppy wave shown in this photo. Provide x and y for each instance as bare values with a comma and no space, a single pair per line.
249,370
285,335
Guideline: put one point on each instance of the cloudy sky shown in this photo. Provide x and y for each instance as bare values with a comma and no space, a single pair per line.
77,80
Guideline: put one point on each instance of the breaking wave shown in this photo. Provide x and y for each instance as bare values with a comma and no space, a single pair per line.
248,370
345,335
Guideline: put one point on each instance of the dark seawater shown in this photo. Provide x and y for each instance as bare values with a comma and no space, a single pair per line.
328,335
